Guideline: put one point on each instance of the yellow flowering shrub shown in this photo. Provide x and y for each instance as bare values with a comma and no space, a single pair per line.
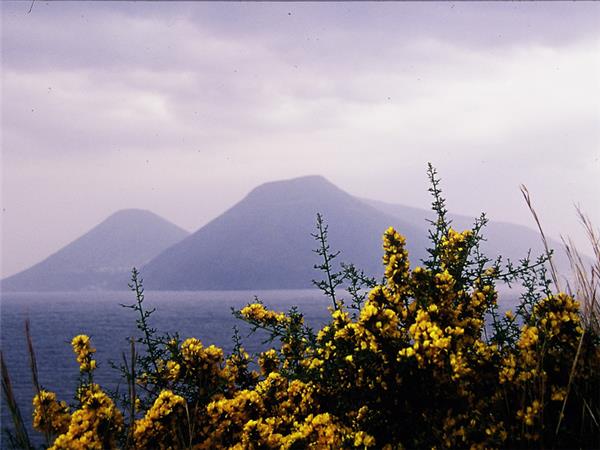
423,360
159,426
50,415
95,425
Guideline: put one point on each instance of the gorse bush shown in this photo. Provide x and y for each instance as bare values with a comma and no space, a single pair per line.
422,359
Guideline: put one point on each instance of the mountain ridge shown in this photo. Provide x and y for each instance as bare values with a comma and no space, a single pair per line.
261,242
502,238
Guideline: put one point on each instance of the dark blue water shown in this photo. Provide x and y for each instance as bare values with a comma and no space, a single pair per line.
56,318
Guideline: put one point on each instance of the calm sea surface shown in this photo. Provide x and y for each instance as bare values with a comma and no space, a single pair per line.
56,317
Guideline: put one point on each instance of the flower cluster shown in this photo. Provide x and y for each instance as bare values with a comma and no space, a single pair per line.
50,415
277,413
95,425
157,429
256,312
454,247
197,359
84,351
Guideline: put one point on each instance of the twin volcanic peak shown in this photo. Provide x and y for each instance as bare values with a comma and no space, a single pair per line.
262,242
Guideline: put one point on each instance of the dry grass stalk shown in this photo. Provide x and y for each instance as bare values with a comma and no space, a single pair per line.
571,378
34,372
32,359
590,285
21,437
132,395
584,285
553,270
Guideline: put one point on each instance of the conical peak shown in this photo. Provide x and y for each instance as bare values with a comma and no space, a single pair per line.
131,213
309,186
134,217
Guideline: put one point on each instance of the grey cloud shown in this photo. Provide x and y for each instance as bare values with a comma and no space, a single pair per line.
159,35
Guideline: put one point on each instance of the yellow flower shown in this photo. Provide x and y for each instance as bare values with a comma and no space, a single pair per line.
95,425
84,351
49,414
154,429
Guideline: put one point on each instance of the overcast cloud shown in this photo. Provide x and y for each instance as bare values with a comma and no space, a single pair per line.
183,108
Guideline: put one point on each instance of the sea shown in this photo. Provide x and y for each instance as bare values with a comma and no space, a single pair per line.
56,317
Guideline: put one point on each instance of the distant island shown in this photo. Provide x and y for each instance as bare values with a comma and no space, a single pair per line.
102,258
262,242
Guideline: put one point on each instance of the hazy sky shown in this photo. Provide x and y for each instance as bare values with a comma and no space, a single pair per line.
183,108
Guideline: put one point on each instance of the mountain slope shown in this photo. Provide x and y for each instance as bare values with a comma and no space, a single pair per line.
502,238
103,257
264,241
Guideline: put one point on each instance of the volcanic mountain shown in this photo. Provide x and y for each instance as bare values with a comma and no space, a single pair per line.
103,257
265,242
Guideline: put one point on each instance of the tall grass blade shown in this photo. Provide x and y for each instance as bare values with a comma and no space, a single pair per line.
553,270
35,373
21,437
571,377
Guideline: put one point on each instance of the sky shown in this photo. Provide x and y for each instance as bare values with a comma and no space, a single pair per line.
183,108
